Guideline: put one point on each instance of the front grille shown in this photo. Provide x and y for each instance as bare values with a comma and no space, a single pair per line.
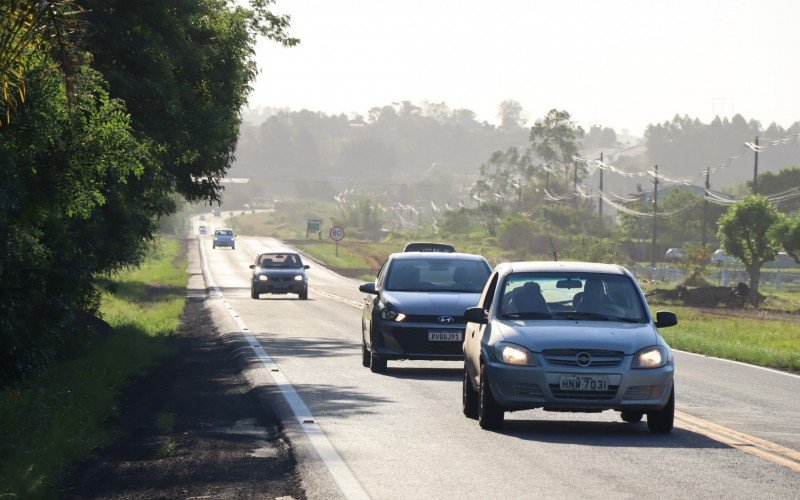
568,357
426,318
557,393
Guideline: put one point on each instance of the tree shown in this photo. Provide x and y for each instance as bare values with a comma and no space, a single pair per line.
511,115
787,234
187,80
772,183
26,27
744,234
554,139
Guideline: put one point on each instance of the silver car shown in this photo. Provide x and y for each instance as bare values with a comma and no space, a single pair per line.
566,336
224,238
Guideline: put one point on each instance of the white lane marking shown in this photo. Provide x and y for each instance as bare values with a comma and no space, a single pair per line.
342,475
764,368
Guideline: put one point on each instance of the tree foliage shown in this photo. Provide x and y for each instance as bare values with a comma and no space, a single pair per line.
123,107
744,233
787,234
554,139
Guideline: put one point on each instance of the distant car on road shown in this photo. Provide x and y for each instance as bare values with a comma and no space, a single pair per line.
566,336
202,217
420,246
224,238
674,254
279,273
720,258
416,308
202,229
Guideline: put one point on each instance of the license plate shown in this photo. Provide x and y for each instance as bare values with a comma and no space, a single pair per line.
583,383
445,336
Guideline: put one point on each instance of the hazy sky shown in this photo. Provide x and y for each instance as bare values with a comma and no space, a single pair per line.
615,63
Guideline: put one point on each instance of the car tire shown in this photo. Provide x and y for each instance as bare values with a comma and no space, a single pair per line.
233,247
632,417
303,295
469,397
214,247
253,293
365,355
376,364
490,414
661,421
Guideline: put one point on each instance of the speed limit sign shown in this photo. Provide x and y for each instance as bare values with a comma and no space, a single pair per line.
337,233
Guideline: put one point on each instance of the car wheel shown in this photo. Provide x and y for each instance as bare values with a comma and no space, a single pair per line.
303,295
490,414
365,355
660,422
253,293
214,246
632,416
469,397
376,364
233,247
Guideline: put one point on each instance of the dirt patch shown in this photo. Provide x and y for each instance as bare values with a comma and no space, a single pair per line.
704,296
192,427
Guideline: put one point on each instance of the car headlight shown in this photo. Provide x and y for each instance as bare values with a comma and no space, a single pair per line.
392,315
299,277
512,354
262,277
650,357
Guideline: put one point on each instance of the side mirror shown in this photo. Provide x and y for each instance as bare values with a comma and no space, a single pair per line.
665,319
306,267
252,266
368,288
476,315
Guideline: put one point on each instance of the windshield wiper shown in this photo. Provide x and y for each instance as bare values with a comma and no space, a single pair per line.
596,316
527,315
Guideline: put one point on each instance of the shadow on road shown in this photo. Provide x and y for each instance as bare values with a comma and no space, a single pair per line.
604,434
424,373
281,347
341,401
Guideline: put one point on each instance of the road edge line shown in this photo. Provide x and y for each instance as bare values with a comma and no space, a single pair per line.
344,478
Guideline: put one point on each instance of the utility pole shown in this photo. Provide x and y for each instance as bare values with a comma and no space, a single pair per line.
575,184
655,217
755,170
705,203
600,199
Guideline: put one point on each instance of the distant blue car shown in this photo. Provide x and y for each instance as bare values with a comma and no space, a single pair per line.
224,238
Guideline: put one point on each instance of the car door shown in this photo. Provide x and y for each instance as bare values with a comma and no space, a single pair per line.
474,332
370,301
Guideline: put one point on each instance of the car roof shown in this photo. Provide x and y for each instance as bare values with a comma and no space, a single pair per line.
435,255
429,247
560,266
290,252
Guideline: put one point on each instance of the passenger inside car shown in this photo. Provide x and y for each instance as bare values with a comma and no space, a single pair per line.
525,299
593,297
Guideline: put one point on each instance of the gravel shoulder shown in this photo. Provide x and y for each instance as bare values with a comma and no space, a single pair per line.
192,427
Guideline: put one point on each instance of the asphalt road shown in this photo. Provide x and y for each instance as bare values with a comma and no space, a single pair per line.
402,434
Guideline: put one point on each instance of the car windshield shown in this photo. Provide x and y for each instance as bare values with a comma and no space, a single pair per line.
224,232
574,296
437,275
280,260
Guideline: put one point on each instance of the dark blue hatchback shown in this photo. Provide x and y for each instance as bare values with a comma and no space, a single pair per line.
415,307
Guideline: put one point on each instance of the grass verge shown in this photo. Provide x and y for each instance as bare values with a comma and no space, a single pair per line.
326,252
59,416
773,343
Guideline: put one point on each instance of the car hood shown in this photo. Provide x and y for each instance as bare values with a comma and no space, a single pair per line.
427,303
617,336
